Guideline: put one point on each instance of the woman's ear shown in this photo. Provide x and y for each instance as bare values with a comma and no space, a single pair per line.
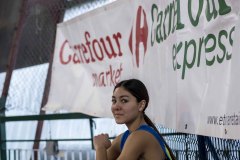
142,105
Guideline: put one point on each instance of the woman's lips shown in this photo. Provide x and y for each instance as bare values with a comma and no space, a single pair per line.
118,115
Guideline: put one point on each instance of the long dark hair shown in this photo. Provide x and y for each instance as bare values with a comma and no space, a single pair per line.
139,90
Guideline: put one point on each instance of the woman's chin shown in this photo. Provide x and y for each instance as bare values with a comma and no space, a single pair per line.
119,121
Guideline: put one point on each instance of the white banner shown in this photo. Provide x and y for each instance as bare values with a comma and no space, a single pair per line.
186,52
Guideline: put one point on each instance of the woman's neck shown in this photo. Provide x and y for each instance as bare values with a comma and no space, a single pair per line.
135,124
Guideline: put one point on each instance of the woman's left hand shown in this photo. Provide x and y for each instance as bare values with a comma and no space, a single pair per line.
101,141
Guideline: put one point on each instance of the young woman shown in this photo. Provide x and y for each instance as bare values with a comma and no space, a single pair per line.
141,141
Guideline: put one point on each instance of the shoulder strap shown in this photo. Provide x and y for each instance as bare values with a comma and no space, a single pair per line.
124,138
158,137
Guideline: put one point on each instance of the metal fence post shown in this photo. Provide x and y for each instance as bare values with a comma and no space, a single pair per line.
202,148
3,154
186,145
10,67
211,148
91,130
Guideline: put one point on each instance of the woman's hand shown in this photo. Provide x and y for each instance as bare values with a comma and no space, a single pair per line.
101,141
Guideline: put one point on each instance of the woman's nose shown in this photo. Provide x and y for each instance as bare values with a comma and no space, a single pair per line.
116,106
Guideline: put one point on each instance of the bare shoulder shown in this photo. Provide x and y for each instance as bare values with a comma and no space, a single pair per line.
141,137
139,145
146,145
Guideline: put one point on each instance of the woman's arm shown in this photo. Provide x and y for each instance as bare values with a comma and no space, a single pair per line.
105,149
134,147
101,144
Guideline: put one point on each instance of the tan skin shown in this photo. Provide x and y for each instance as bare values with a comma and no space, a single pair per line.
140,145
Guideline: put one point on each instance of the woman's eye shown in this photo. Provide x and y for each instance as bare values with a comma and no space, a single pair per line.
124,101
113,101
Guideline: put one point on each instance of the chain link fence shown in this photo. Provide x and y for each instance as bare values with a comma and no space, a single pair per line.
31,55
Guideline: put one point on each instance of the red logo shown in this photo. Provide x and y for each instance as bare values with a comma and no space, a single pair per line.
141,36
